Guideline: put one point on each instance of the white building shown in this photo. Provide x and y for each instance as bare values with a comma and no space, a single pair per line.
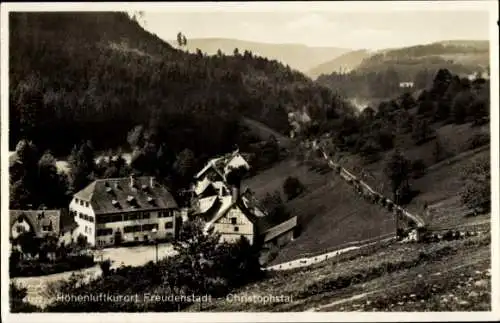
116,210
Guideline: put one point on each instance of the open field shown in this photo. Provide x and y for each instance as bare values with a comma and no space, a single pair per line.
396,277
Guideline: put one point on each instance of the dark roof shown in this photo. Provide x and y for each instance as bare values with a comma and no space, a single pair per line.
37,218
141,196
238,203
280,229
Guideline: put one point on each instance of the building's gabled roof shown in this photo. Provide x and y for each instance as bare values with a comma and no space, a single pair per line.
118,195
235,162
206,204
221,164
201,186
212,163
279,229
37,218
226,205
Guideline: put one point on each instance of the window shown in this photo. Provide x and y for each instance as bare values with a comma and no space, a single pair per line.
19,229
86,204
81,202
165,214
169,225
47,227
104,232
233,220
91,218
149,227
236,229
116,218
76,200
80,215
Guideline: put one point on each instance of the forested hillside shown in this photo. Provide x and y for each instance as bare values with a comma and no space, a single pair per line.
379,75
341,64
95,76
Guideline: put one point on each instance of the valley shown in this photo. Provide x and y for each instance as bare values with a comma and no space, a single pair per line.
344,180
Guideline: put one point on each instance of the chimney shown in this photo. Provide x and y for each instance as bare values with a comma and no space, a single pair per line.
235,193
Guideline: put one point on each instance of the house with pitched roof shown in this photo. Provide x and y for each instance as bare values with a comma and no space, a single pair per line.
233,216
229,212
42,223
130,209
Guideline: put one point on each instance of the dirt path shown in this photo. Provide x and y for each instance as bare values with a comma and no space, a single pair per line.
312,260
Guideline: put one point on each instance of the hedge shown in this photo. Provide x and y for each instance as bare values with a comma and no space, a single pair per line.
28,268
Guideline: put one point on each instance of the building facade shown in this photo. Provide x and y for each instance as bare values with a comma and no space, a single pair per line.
114,211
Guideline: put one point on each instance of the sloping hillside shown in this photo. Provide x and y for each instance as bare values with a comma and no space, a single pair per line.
331,214
380,74
341,64
299,57
96,75
458,56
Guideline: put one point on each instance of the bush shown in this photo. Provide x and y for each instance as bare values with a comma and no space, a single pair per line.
17,303
28,268
418,168
476,193
478,140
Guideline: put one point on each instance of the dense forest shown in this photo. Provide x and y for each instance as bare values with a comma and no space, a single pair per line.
96,76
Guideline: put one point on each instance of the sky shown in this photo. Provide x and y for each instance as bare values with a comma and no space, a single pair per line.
354,30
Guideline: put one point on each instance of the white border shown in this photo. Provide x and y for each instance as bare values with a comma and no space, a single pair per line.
490,6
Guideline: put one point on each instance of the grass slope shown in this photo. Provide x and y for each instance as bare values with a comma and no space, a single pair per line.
398,276
332,214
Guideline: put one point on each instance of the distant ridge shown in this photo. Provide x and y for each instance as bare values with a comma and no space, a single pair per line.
297,56
341,64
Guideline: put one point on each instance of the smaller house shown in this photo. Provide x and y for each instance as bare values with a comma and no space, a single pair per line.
406,84
237,215
43,223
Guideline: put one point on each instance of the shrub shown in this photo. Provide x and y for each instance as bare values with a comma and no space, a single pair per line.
418,168
105,267
476,193
478,140
27,268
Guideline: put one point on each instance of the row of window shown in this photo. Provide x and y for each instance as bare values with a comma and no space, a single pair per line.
107,218
135,228
86,217
81,202
140,228
110,241
104,232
